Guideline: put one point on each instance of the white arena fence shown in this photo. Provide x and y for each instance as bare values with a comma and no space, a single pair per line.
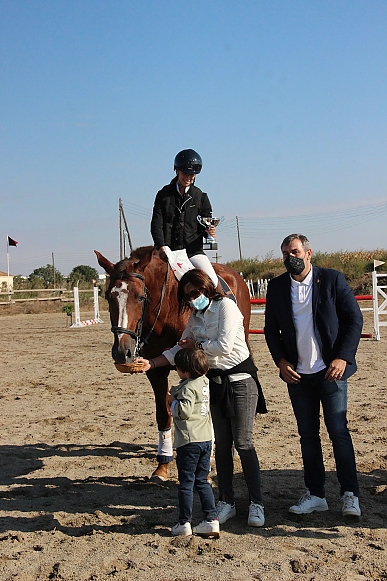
378,290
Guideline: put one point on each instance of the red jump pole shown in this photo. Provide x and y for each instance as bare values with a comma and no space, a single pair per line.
263,302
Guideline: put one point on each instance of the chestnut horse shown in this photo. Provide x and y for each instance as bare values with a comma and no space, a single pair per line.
142,297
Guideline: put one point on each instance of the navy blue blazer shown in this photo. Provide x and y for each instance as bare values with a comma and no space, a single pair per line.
337,319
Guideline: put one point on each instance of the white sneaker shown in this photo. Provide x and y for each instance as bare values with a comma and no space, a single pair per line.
181,530
256,515
309,503
350,504
225,511
207,528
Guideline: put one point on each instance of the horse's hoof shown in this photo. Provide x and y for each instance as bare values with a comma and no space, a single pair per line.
160,474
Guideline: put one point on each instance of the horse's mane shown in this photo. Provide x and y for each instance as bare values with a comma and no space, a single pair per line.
141,255
120,269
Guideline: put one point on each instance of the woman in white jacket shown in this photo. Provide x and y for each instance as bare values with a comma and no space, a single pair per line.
216,326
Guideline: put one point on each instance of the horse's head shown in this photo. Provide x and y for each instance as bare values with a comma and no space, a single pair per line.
128,297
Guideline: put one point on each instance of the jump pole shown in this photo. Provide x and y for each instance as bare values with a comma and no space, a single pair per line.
97,319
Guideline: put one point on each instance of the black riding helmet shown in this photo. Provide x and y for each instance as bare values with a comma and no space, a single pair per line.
188,161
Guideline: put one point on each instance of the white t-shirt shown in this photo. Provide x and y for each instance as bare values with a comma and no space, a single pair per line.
309,354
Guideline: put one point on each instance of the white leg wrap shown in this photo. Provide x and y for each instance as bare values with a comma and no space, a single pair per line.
165,443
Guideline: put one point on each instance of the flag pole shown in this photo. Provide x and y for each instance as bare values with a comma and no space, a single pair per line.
9,286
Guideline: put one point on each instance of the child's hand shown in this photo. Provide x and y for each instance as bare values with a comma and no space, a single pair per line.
170,398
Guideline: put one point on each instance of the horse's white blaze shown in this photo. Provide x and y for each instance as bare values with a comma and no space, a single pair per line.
122,297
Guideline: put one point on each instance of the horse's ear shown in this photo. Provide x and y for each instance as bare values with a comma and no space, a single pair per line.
104,262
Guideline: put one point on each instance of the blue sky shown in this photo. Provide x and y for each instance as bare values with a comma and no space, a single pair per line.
285,101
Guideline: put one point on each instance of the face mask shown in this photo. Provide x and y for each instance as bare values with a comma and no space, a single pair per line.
294,265
200,303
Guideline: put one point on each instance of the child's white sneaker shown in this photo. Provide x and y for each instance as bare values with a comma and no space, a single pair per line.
350,504
179,530
207,528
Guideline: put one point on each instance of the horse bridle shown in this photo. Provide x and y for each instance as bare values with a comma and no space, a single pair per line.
137,334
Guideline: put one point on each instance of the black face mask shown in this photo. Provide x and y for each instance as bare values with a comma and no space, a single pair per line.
294,265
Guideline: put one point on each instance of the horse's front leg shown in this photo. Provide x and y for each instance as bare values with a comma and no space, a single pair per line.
159,382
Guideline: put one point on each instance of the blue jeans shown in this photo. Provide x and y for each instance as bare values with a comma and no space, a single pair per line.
306,397
237,430
193,466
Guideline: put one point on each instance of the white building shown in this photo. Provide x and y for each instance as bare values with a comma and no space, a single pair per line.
5,280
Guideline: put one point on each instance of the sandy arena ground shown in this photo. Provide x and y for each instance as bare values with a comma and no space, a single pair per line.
78,442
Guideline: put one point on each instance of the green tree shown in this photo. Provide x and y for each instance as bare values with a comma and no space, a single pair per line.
83,274
44,275
20,282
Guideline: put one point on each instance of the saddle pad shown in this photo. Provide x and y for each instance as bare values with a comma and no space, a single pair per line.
178,261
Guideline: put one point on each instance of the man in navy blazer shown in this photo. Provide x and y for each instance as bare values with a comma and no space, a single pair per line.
312,328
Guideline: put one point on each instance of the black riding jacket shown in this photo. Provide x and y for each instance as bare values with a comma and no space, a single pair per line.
174,220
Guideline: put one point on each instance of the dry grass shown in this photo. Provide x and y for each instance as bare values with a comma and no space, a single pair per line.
355,265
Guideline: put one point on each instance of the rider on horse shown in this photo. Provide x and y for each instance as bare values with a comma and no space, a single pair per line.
175,213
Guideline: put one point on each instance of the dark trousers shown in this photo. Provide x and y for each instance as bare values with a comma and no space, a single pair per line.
193,466
306,398
238,431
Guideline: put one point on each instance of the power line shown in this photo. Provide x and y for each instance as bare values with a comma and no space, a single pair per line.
255,227
318,222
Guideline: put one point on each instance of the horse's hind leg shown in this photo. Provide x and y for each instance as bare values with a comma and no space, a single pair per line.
159,382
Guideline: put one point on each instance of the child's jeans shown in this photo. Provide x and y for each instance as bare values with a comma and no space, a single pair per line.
193,465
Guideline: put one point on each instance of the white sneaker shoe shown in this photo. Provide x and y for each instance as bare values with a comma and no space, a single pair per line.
207,528
256,515
179,530
225,511
309,503
350,504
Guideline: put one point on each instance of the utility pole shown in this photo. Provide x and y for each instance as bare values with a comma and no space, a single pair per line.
122,232
120,227
127,232
239,238
53,268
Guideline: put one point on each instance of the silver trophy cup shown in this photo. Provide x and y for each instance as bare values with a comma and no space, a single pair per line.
207,221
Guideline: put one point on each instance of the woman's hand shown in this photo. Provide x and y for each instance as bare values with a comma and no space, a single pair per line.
146,364
187,343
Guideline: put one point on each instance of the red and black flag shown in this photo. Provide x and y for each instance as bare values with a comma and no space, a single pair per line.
12,242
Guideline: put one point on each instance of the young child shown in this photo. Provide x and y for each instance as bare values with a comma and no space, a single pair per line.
190,408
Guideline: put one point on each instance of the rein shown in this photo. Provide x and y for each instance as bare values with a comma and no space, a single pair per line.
137,335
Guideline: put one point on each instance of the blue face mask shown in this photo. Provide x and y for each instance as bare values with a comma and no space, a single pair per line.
200,303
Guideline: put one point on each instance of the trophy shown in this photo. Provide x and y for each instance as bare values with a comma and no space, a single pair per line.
207,221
